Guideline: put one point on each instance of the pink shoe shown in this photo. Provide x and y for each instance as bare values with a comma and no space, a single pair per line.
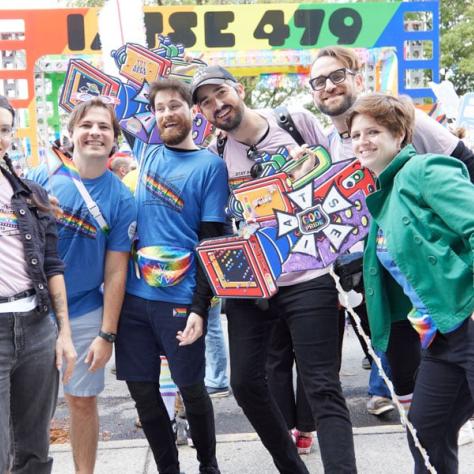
304,444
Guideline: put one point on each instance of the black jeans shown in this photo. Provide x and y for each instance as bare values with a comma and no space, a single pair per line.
310,311
280,360
443,399
157,427
404,355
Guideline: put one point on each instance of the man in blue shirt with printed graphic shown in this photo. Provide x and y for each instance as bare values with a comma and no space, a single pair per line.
95,231
181,196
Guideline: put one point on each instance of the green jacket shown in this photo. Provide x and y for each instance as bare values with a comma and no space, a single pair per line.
425,206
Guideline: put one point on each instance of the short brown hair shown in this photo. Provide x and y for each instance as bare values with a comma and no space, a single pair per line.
346,56
395,113
83,107
170,85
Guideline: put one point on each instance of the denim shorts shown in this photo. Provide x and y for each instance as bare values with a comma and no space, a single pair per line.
148,329
85,329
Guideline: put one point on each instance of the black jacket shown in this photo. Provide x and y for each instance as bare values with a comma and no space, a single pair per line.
38,234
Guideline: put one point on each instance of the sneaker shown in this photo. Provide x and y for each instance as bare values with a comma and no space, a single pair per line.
379,405
304,444
466,434
366,364
218,392
183,433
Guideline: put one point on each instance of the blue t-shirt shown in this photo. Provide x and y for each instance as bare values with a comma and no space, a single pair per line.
419,317
82,244
176,191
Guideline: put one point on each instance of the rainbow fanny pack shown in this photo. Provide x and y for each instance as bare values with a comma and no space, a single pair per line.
162,266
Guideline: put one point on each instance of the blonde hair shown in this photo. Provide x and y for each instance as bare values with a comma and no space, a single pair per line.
347,57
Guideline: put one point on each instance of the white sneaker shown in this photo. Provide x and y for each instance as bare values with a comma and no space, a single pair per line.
466,434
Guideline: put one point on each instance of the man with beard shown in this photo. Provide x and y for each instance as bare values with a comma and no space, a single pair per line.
181,196
306,302
336,81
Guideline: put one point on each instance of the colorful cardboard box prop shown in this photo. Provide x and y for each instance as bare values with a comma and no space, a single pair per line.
289,226
139,67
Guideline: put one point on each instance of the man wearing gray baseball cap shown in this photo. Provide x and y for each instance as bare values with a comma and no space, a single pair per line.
306,302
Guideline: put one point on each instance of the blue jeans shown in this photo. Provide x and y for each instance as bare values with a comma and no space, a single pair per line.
216,354
377,385
28,390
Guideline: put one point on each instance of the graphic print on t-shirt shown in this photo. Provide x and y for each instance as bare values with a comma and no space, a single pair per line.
164,191
8,221
76,221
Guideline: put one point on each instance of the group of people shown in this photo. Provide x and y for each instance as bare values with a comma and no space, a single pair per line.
121,268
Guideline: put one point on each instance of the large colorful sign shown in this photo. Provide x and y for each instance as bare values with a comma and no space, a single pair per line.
271,37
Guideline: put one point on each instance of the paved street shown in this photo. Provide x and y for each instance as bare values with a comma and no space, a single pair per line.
118,414
380,443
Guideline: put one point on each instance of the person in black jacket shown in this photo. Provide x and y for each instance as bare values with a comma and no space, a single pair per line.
31,348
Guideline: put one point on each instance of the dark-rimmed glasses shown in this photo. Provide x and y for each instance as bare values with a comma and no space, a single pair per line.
336,77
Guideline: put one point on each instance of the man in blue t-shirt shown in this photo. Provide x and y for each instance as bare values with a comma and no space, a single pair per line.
181,196
94,244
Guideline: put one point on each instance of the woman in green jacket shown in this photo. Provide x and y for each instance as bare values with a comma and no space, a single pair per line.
418,265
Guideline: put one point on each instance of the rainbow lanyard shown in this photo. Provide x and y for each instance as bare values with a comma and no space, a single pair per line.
66,167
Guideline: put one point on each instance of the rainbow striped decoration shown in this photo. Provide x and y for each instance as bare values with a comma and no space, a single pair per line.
163,266
67,167
424,325
180,312
168,388
163,192
77,224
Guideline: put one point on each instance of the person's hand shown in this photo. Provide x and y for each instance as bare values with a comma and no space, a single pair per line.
307,161
193,331
99,354
472,316
192,63
65,351
55,208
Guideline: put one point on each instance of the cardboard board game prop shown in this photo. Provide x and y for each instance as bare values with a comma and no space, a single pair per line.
288,226
138,67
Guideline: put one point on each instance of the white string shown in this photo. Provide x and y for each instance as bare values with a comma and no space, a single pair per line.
403,418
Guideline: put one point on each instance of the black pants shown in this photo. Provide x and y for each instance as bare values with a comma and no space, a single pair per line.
443,399
310,311
280,360
361,311
404,355
157,427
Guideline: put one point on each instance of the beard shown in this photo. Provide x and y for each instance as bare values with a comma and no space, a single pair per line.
233,122
334,111
175,135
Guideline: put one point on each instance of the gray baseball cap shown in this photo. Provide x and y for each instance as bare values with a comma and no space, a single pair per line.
210,75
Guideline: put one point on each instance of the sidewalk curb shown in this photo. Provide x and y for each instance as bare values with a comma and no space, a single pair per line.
224,438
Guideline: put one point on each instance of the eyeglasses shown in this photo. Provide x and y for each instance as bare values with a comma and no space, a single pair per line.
336,77
5,132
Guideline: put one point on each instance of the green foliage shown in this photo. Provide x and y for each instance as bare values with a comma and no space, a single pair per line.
457,43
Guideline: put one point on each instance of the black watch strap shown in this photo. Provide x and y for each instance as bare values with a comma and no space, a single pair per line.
108,336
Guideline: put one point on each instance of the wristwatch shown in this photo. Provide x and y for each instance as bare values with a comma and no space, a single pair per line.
108,336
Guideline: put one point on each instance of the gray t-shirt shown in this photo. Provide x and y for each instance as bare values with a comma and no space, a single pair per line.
429,136
239,165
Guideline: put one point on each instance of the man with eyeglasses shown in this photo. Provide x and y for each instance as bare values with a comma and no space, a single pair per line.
336,81
306,302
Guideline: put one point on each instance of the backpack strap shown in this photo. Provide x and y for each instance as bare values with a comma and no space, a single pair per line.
284,121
